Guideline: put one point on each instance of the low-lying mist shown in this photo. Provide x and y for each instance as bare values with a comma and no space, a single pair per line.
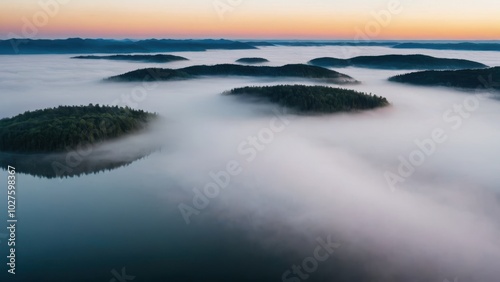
409,191
329,175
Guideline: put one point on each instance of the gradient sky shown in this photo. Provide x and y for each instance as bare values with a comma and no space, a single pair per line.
280,19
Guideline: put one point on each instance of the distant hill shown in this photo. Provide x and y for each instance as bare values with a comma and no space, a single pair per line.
160,58
464,46
475,78
397,62
316,43
297,70
313,99
439,45
90,46
259,43
252,60
110,46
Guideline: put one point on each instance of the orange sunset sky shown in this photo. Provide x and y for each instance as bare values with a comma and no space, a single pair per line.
252,19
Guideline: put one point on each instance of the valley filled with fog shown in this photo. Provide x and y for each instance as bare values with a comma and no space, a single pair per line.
408,192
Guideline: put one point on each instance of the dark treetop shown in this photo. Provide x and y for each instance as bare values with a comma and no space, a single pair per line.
475,78
313,99
66,127
298,70
160,58
397,62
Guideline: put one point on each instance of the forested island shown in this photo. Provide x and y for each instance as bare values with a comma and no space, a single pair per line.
471,78
66,127
159,58
313,99
254,60
295,70
419,62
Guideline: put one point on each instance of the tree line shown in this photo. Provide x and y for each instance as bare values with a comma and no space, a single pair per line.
65,127
314,99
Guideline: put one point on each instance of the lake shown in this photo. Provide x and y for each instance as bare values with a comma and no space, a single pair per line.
316,179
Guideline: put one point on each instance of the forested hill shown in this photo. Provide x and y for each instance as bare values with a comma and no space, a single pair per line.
295,70
475,78
252,60
416,62
159,58
65,127
313,99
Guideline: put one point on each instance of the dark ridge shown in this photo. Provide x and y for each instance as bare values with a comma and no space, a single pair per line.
316,43
159,58
469,79
330,62
66,127
313,99
443,45
297,70
259,43
151,74
397,62
252,60
461,46
107,46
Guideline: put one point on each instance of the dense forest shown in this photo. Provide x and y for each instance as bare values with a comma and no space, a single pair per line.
252,60
159,58
418,62
475,78
313,99
295,70
65,127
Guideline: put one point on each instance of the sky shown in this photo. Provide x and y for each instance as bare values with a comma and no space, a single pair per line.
252,19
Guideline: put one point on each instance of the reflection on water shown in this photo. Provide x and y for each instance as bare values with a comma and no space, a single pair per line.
320,176
70,164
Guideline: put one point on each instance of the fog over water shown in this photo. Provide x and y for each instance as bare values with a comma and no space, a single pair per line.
315,177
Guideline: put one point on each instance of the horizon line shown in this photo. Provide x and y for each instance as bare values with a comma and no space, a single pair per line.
259,39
